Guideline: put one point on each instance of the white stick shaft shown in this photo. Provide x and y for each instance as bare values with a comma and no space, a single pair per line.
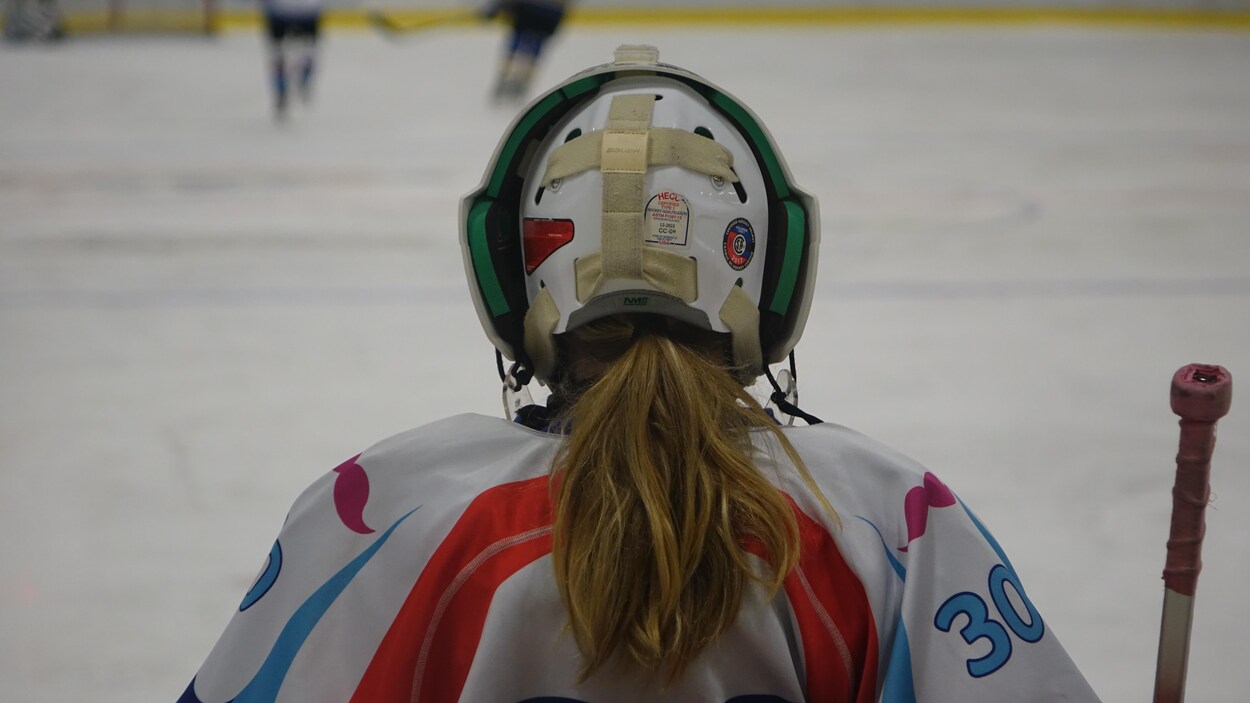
1178,617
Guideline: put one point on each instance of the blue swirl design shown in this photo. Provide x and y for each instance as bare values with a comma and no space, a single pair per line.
898,567
264,686
266,580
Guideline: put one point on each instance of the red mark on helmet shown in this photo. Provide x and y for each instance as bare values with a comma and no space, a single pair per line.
541,237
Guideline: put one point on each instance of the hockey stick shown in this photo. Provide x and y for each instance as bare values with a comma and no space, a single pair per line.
1201,395
393,29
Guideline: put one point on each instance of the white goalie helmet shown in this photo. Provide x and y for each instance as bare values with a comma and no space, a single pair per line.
639,187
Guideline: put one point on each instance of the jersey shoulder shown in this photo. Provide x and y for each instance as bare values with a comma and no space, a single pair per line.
849,461
447,463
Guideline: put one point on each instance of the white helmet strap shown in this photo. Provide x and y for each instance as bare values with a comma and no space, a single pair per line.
666,146
539,328
623,161
742,318
665,271
623,152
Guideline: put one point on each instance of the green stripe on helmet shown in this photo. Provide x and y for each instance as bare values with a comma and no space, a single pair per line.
518,137
796,233
759,139
796,216
478,237
483,267
525,126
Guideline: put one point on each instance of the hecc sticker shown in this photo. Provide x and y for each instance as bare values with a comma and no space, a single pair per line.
739,244
667,219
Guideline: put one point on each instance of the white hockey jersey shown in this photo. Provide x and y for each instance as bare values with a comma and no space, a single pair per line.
292,9
420,571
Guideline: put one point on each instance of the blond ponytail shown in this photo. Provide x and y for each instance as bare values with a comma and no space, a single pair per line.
656,490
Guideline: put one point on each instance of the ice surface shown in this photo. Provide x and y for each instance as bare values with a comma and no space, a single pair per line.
1026,231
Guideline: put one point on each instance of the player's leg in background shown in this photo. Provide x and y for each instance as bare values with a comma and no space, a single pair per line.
32,20
515,69
309,35
533,23
52,21
278,33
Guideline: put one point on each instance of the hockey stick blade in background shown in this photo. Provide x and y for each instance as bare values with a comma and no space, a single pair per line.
394,29
382,22
1201,395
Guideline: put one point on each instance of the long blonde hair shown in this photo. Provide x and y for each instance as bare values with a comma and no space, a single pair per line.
656,490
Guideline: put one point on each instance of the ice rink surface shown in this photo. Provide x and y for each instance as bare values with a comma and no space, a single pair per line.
1026,232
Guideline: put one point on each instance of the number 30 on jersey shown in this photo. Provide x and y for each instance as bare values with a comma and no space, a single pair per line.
981,625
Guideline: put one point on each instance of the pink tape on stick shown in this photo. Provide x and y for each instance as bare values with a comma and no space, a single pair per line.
1201,395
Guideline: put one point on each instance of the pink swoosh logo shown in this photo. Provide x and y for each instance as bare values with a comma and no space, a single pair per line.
933,494
351,492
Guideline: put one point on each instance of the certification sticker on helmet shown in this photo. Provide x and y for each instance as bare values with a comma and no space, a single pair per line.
739,244
667,219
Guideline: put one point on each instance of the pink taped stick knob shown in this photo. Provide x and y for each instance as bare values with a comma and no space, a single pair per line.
1202,392
1201,395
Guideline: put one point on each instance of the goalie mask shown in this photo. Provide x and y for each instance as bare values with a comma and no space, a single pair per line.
639,187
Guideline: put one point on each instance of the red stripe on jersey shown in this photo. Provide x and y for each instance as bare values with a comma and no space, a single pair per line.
835,620
440,623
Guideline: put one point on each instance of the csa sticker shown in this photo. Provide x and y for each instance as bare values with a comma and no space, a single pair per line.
739,244
667,219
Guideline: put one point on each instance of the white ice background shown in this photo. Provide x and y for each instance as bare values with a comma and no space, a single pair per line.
1026,232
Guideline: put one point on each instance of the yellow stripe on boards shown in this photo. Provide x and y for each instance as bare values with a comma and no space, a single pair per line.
771,16
837,16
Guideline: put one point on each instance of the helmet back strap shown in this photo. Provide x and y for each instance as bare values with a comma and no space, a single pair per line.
666,146
623,152
623,161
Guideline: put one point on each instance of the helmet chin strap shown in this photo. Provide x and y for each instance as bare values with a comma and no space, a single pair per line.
785,395
515,393
783,401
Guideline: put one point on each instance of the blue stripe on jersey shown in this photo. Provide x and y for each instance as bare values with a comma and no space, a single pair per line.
264,686
988,537
894,562
898,686
188,696
266,580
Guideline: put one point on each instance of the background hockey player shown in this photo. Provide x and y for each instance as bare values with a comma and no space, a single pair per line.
532,23
292,30
651,533
32,20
